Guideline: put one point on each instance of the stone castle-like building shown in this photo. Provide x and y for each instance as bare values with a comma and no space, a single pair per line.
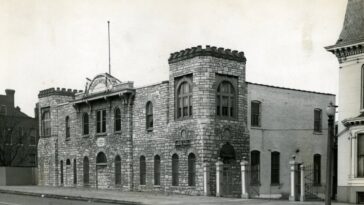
161,137
178,135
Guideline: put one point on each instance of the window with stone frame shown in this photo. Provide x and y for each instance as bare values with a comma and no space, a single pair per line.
362,87
317,120
255,113
143,170
32,159
225,100
191,169
157,170
149,116
255,168
61,170
117,170
3,110
46,122
117,120
85,124
67,128
184,96
9,136
74,171
32,137
100,121
86,174
275,159
317,169
360,155
21,135
175,170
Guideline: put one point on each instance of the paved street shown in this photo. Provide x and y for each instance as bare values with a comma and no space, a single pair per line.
54,196
12,199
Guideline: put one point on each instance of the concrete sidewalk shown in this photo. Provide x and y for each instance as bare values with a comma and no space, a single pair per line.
118,197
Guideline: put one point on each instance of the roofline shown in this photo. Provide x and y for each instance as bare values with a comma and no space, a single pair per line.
293,89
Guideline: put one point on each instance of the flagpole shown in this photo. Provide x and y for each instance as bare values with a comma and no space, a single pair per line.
108,32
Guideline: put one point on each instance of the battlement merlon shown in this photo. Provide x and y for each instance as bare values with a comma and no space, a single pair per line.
208,51
58,91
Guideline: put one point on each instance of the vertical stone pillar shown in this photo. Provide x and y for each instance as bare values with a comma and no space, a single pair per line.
302,197
206,179
218,177
293,166
244,193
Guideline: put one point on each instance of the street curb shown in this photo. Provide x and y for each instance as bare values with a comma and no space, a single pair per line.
68,197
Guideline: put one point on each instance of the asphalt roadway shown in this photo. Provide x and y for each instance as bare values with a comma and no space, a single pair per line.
13,199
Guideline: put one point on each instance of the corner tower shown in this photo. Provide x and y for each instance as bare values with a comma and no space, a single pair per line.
208,111
350,53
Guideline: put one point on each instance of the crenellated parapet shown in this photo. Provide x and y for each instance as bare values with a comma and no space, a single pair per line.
57,91
207,51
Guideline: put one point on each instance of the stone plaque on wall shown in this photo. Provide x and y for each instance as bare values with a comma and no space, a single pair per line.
100,142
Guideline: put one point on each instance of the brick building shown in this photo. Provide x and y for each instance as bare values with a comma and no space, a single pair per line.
18,134
283,123
169,136
159,137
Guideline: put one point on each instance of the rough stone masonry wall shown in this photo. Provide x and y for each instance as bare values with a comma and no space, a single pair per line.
150,143
80,146
206,126
48,145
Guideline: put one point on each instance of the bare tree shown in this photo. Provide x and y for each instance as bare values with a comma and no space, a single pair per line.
12,138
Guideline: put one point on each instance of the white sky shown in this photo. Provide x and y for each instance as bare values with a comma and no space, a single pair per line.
59,43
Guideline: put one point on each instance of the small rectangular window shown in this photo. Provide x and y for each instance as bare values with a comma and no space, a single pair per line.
2,110
255,114
317,120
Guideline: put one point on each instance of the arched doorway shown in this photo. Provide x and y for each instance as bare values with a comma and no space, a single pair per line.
230,171
101,171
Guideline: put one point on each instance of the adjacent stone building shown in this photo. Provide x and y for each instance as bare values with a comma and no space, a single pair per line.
161,137
350,53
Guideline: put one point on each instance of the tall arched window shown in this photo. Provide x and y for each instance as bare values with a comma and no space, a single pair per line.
149,116
317,169
157,170
86,175
117,170
67,128
68,162
225,100
85,124
255,167
117,120
74,172
184,100
191,169
143,169
61,169
362,87
275,159
175,168
46,123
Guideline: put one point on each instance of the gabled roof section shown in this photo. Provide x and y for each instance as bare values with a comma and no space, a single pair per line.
353,28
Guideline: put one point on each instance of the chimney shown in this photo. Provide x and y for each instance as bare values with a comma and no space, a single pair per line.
10,95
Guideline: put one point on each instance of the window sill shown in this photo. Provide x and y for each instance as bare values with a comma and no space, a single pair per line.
317,133
67,140
226,118
157,186
117,132
104,134
275,184
85,136
150,130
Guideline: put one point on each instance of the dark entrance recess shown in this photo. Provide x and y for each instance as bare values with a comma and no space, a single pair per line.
227,153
